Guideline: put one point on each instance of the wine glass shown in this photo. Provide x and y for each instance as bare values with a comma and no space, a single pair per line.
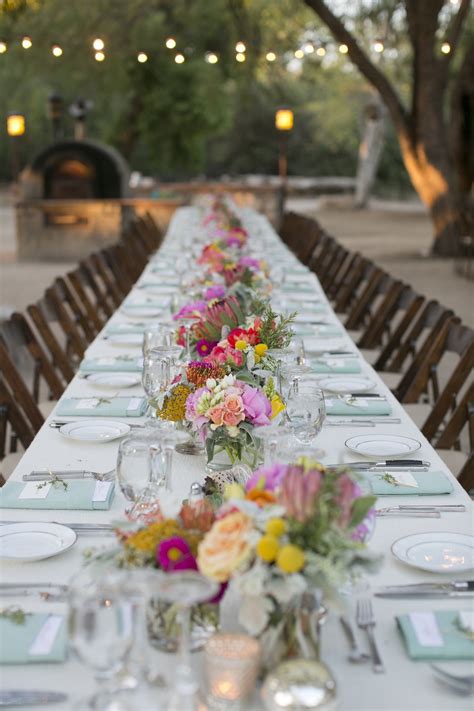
306,411
101,633
156,378
185,588
167,436
133,465
273,437
158,334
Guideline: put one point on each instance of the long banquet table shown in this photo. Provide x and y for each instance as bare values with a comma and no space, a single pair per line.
406,685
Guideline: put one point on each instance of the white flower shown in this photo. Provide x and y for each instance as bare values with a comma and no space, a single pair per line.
232,431
170,504
285,589
251,583
254,613
211,383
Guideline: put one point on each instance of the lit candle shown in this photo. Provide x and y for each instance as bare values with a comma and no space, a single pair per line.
232,662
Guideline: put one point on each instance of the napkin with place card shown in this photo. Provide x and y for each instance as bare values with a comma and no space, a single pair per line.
445,634
101,407
310,314
39,638
110,364
70,494
158,286
335,364
347,405
410,482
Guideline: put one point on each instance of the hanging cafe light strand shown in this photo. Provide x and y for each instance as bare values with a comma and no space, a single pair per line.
306,50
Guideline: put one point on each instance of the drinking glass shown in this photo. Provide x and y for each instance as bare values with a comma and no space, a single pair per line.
156,378
306,411
158,334
167,436
274,438
185,588
133,465
101,634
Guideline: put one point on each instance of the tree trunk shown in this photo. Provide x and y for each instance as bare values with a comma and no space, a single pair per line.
370,151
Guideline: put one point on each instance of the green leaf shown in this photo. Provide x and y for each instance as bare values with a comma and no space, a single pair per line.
360,509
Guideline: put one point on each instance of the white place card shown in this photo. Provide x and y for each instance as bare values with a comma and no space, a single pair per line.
44,640
466,620
87,403
32,491
335,363
426,629
134,404
101,490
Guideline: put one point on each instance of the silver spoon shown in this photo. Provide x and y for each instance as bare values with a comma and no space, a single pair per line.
356,655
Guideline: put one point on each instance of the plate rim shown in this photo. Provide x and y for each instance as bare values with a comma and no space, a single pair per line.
95,422
381,434
338,377
71,533
430,533
90,378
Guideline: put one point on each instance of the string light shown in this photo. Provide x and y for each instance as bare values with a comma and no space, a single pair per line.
142,57
26,42
56,50
179,58
240,47
98,44
240,57
308,48
170,43
445,48
99,56
211,58
321,51
343,48
299,54
270,56
3,47
378,46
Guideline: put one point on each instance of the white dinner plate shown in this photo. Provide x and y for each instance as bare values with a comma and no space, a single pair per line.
347,384
113,380
437,552
382,445
26,542
95,430
125,339
142,312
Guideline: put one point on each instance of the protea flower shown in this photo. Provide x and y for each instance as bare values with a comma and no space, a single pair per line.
226,312
299,490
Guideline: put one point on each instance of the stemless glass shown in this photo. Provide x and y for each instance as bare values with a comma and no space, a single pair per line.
156,378
101,634
306,411
133,466
156,335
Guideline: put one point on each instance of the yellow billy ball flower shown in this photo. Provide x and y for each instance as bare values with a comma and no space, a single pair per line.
261,349
277,406
290,559
276,527
241,345
267,548
233,491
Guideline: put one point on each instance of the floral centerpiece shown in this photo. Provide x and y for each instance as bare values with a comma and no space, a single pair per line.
292,528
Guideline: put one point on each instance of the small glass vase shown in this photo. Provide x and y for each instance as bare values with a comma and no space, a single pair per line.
194,446
164,626
297,634
224,452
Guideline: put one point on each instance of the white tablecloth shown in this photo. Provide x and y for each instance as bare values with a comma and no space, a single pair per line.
406,685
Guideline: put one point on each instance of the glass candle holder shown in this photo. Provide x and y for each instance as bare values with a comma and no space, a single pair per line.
231,665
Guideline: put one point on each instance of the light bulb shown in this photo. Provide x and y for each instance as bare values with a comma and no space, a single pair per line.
240,47
445,48
56,50
26,42
270,56
240,57
299,54
343,48
3,47
308,48
142,57
99,56
321,51
98,44
212,58
378,46
179,59
170,43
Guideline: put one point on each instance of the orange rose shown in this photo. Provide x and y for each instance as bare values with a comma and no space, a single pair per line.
260,497
225,547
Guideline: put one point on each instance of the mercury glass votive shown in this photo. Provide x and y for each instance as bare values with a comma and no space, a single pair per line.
231,666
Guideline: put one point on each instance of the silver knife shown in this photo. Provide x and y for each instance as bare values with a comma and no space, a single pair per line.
67,474
449,508
397,464
23,697
455,588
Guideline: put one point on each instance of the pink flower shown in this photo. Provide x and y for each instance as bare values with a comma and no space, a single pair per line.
250,263
257,406
204,347
216,414
267,477
348,491
299,491
192,310
175,554
214,292
191,414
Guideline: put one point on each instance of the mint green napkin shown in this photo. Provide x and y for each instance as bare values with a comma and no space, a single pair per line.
102,407
357,406
125,328
318,331
17,639
335,364
112,365
456,642
168,288
155,303
78,495
429,483
309,314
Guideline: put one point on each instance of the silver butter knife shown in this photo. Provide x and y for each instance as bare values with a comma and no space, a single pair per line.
392,464
455,588
23,697
448,508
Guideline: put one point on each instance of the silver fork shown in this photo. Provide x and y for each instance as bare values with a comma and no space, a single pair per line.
70,474
366,621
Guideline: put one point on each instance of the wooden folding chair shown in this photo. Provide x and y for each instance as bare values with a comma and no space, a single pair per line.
76,341
376,283
79,281
91,278
360,273
97,264
409,305
301,234
154,229
14,428
333,268
463,416
44,318
378,324
19,390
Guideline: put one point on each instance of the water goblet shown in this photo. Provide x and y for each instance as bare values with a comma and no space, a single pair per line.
167,436
159,334
156,378
306,411
133,465
274,437
185,588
